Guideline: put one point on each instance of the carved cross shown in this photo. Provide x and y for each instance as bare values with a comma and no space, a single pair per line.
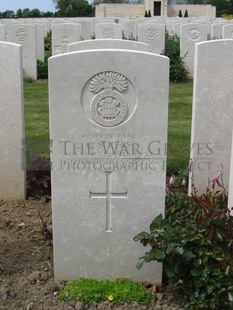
108,195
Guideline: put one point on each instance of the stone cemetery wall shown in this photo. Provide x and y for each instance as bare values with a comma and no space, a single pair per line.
25,35
212,116
205,11
12,180
113,10
108,177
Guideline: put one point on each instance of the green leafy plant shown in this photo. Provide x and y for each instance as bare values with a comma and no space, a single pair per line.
178,73
42,69
195,242
91,291
48,42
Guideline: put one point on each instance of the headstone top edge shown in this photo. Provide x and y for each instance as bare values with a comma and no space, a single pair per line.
214,42
104,50
10,44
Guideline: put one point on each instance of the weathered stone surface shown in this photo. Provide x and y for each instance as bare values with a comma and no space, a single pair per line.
190,34
108,124
12,180
108,31
212,112
154,35
99,44
227,31
25,35
2,32
64,34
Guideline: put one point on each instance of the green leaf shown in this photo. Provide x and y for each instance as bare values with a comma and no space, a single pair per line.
141,236
157,222
196,272
189,255
170,273
230,296
139,264
154,254
179,250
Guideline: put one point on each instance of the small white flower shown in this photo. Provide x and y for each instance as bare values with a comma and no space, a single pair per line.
172,180
183,182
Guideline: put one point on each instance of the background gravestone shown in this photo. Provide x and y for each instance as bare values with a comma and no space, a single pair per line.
190,34
217,31
12,180
108,31
230,197
86,28
2,32
64,34
108,124
154,35
129,29
212,116
25,35
228,31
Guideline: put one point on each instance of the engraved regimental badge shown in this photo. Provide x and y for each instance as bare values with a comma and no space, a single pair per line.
108,107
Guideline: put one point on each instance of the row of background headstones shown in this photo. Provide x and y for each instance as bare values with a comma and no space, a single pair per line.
152,33
212,89
84,46
211,140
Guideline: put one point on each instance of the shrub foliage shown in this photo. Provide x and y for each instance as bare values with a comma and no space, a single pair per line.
195,242
178,72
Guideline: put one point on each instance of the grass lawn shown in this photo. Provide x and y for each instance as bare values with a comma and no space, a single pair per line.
36,114
179,128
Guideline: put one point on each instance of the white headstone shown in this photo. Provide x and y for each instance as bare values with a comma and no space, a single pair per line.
2,32
108,31
40,54
216,32
26,36
212,118
208,23
10,22
228,31
175,26
230,196
99,44
129,29
86,29
109,132
62,35
190,34
154,35
40,42
12,180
